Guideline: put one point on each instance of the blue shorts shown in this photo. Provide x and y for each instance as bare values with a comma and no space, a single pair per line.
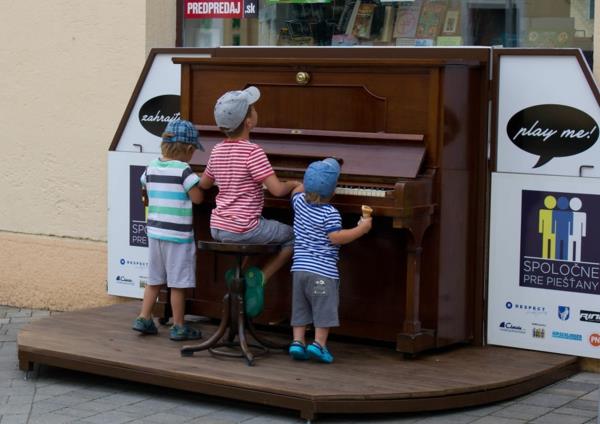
267,231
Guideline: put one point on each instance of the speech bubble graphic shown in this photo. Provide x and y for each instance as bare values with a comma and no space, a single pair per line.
157,112
550,131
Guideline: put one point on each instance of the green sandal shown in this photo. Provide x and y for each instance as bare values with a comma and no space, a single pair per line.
229,276
254,295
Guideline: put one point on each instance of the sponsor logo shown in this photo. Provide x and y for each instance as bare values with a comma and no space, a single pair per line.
589,316
567,336
137,210
533,309
564,312
559,245
124,280
594,339
507,326
538,333
140,264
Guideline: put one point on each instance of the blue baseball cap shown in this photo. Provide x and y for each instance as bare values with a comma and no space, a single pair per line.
321,177
183,132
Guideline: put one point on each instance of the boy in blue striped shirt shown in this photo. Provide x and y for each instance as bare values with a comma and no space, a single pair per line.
318,235
171,187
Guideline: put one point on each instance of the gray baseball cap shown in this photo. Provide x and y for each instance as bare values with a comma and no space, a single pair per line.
232,107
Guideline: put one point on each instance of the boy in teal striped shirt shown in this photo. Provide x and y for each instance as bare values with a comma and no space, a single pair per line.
171,187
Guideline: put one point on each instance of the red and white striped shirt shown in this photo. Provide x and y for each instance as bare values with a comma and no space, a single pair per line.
238,167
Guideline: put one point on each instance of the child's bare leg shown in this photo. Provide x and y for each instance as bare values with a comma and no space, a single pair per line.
279,260
321,335
178,305
150,295
299,333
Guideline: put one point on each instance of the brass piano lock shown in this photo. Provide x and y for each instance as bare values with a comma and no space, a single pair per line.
302,78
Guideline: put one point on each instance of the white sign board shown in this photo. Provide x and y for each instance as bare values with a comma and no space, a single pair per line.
544,267
547,117
127,240
156,104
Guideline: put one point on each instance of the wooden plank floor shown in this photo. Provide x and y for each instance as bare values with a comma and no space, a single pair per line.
363,379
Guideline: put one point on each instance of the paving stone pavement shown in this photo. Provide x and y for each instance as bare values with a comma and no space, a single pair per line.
57,396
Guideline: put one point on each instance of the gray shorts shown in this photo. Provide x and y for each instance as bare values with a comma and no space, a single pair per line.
171,263
315,299
267,231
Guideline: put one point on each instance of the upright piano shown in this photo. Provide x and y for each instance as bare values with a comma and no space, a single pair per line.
408,126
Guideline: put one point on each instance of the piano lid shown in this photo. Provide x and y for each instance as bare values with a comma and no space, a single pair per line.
361,153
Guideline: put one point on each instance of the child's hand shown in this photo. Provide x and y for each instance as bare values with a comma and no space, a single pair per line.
365,224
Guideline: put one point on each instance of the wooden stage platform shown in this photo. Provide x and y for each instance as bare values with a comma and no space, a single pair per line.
363,379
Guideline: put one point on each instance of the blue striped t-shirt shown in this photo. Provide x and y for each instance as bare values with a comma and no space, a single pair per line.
169,206
313,252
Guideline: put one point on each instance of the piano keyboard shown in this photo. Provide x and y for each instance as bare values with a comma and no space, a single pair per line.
360,191
355,191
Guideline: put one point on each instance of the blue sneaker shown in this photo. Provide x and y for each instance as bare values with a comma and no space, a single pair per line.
298,351
144,326
179,333
320,353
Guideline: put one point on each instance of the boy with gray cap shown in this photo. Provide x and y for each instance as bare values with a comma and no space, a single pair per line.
318,235
240,169
170,188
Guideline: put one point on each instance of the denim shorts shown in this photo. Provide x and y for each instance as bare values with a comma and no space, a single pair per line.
267,231
173,264
315,299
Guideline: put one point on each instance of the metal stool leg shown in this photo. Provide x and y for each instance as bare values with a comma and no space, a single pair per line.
189,350
242,334
234,322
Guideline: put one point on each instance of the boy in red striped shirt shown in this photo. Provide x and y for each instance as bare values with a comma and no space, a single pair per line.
240,169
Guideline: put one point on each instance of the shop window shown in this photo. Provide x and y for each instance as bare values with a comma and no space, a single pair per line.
509,23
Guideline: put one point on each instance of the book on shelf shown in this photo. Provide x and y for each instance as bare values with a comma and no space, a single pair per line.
388,24
345,16
451,22
431,19
424,42
352,18
405,41
344,40
363,21
407,18
449,40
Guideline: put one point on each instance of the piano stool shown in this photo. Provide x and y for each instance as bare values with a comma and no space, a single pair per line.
233,315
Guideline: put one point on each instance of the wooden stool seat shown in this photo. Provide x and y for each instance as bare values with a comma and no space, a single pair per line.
233,315
238,248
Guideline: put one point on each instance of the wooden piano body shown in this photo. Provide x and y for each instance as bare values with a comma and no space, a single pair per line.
409,125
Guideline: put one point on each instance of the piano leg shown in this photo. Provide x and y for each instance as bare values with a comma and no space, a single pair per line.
414,338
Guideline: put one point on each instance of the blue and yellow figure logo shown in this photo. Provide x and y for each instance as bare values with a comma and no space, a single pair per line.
138,212
560,246
562,228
